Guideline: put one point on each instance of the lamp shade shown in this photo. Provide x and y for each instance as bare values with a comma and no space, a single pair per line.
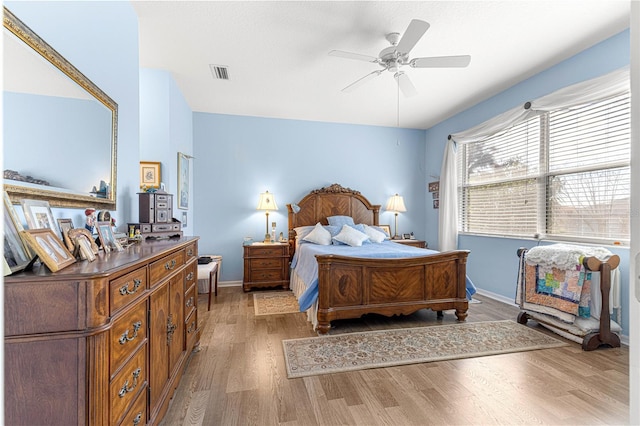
396,204
267,202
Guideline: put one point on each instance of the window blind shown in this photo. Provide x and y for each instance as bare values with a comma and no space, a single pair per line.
562,174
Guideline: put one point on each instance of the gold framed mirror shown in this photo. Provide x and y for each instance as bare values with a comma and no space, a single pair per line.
59,129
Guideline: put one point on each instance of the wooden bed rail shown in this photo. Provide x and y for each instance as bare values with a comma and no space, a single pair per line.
604,336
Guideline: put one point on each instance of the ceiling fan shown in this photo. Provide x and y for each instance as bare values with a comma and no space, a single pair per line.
396,56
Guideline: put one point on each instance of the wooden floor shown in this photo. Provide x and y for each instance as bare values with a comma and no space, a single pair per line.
239,378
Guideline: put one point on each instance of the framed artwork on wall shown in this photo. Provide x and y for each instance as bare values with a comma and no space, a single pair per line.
149,174
183,181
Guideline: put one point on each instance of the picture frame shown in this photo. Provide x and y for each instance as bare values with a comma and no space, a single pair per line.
38,215
48,246
406,236
106,237
84,246
65,225
76,234
436,204
16,252
183,181
434,186
387,229
150,174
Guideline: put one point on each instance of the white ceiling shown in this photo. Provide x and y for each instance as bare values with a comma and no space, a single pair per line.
279,67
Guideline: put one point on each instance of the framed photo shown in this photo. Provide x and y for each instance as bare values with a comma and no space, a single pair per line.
434,186
76,234
49,248
38,215
435,195
183,181
436,204
16,253
84,247
150,174
107,239
65,226
406,236
387,229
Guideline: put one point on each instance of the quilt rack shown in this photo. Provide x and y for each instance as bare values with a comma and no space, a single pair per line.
603,336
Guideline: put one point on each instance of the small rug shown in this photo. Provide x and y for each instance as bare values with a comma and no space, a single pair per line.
275,302
384,348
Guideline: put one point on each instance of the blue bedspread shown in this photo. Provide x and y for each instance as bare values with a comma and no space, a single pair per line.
305,264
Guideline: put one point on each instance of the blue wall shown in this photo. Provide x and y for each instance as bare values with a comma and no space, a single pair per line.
239,157
492,264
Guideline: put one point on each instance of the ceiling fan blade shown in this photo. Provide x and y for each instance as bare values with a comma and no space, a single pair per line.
441,62
405,84
414,32
356,56
361,81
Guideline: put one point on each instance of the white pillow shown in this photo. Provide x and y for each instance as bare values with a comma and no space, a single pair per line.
319,235
374,235
351,236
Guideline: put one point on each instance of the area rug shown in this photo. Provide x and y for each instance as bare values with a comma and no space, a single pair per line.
275,302
384,348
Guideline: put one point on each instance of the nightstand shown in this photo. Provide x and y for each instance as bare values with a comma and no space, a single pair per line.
414,243
266,265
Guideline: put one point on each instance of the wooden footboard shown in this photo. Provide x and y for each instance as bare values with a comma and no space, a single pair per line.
351,287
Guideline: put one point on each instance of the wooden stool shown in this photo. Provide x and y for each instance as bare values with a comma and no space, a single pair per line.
209,271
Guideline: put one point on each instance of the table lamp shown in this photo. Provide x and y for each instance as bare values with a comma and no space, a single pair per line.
267,202
396,205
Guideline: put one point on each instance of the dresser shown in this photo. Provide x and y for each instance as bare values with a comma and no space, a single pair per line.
266,265
103,342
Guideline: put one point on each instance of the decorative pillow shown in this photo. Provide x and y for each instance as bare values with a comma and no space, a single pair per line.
351,236
319,235
374,235
340,220
377,228
303,231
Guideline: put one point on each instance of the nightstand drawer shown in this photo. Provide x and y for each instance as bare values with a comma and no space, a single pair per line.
266,263
266,275
267,251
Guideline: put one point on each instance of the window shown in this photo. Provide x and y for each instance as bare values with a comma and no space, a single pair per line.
562,174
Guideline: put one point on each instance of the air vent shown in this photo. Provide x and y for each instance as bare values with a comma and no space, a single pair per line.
220,72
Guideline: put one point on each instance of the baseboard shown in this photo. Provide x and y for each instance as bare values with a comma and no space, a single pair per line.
230,284
624,339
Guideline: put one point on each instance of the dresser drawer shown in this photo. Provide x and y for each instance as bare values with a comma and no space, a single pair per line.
191,251
268,251
137,415
190,300
191,328
161,269
126,385
126,289
127,333
190,275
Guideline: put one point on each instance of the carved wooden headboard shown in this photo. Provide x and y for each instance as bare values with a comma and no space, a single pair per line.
333,200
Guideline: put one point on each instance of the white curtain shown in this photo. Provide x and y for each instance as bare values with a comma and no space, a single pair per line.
597,89
448,223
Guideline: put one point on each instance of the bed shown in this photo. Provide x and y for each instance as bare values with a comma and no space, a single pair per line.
349,286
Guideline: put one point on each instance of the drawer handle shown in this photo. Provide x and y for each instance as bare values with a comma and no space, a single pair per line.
189,276
125,336
125,388
124,290
190,252
171,327
170,265
192,327
189,302
136,420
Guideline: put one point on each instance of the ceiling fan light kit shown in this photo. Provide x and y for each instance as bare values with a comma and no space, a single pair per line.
396,56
